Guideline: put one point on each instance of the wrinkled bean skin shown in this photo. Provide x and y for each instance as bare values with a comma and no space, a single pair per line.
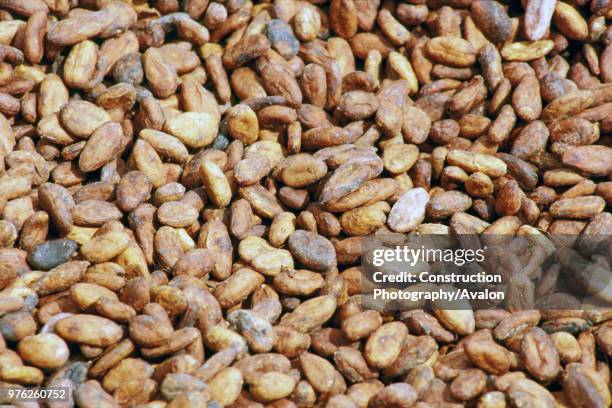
190,191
